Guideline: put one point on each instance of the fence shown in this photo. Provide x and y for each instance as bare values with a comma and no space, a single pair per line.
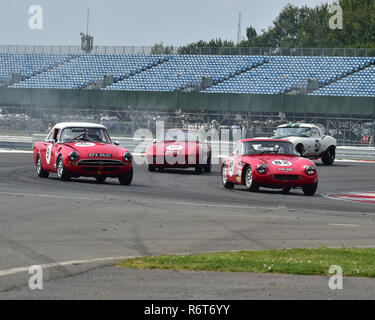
26,121
341,52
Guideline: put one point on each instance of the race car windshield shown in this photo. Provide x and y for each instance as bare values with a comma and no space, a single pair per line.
85,134
293,132
178,136
262,147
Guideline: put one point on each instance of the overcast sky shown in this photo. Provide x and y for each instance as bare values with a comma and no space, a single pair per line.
136,22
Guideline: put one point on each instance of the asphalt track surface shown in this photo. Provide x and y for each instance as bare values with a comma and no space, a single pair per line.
77,231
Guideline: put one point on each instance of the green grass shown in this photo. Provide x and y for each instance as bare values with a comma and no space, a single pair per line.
353,261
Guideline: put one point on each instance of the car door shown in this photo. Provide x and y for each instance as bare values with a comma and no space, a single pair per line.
51,150
233,163
308,143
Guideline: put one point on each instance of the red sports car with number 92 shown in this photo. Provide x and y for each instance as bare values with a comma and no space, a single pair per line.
269,163
76,149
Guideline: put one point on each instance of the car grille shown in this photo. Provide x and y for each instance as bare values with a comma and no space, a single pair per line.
96,169
100,163
286,177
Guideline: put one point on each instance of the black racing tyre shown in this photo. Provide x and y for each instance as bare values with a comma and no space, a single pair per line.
39,169
329,156
207,167
226,184
285,190
126,178
151,168
310,189
62,173
100,179
300,149
198,169
250,184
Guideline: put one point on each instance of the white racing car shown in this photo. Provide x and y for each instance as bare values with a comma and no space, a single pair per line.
309,141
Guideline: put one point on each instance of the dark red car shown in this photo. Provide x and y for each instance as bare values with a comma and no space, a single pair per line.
179,148
269,163
76,149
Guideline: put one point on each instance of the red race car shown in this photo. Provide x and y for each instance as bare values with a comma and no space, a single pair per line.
269,163
78,149
179,148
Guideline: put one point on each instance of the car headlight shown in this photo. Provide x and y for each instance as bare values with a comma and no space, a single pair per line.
74,156
261,168
128,157
310,170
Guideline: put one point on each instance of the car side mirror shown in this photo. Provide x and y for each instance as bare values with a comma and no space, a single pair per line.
116,143
154,141
51,140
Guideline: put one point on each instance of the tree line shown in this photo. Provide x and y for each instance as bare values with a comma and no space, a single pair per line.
302,27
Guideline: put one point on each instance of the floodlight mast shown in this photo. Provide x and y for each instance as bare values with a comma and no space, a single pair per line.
88,18
87,41
239,29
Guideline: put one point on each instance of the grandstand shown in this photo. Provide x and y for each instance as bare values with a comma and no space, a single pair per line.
336,76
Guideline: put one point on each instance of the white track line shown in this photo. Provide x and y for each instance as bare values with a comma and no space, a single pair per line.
213,205
48,196
14,151
343,225
60,264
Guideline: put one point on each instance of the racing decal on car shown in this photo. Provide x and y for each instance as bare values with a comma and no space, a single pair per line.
85,144
231,168
48,154
174,148
317,145
281,163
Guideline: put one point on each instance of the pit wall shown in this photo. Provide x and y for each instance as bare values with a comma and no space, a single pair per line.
189,101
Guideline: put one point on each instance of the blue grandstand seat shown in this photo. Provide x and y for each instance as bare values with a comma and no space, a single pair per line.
235,74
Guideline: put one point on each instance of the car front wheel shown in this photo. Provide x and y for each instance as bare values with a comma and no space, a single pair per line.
310,189
62,173
329,156
39,169
224,179
250,184
126,178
